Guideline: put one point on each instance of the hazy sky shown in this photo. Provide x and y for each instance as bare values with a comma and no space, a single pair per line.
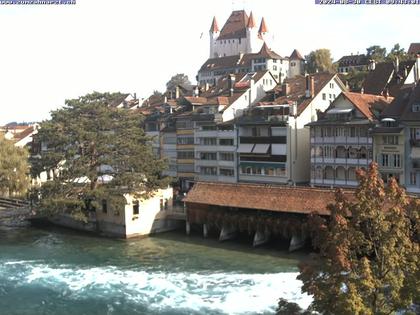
52,53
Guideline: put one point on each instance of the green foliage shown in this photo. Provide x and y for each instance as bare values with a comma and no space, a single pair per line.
397,52
369,258
355,79
376,53
177,79
89,141
320,61
14,169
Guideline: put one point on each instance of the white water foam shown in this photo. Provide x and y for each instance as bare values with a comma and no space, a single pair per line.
229,293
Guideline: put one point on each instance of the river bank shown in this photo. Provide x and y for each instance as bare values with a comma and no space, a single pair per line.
56,271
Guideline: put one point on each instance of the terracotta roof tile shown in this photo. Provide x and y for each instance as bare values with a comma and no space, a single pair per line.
214,28
251,21
296,55
275,198
414,49
263,27
367,103
235,26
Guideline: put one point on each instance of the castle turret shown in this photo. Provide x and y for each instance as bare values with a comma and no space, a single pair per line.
252,35
263,30
214,35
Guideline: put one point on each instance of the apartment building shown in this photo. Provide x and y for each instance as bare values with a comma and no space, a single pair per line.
341,139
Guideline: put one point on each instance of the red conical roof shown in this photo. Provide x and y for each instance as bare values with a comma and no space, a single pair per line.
251,21
214,28
263,27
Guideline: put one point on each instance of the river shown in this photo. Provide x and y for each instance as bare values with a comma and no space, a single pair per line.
56,271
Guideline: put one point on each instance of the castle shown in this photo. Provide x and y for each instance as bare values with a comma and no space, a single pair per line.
240,46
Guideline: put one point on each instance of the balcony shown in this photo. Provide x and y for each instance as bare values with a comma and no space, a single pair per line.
273,139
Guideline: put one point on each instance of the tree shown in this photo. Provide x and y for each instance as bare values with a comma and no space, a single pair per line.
14,168
320,61
355,79
376,53
397,52
369,258
96,152
177,79
157,93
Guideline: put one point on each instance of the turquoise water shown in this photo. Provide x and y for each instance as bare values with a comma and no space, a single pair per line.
62,272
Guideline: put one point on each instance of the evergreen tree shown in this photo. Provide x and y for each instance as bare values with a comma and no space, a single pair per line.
95,152
14,169
177,79
368,260
376,53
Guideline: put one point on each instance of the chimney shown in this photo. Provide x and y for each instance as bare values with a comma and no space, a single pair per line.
206,87
135,96
231,84
362,90
397,65
165,99
386,93
177,92
285,89
196,91
307,88
312,86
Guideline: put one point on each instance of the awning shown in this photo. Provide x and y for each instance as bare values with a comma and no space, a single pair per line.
278,149
245,148
339,110
261,148
415,153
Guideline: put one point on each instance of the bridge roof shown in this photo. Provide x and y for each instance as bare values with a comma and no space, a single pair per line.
302,200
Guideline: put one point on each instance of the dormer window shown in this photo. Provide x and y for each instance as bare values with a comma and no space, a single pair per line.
416,108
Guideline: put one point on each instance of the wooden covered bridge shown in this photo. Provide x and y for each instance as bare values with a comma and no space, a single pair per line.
262,210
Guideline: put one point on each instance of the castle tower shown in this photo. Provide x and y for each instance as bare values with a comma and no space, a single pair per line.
214,35
252,36
263,30
296,64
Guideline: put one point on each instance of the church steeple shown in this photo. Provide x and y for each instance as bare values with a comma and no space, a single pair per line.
214,28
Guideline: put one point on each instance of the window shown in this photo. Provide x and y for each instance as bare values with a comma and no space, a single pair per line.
324,96
384,159
239,40
413,178
136,207
185,140
227,156
226,141
275,68
396,160
415,133
208,128
185,154
416,108
209,156
331,85
208,170
104,206
161,204
227,172
208,141
293,63
390,140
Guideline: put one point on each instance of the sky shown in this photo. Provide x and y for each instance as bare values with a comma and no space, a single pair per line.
52,53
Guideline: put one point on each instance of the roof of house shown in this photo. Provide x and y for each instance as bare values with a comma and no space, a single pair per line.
297,90
414,49
296,55
353,60
263,197
235,61
384,78
401,107
235,26
368,103
25,133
